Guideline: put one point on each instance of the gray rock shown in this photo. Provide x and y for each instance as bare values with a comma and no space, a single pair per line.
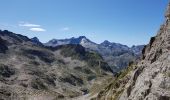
153,81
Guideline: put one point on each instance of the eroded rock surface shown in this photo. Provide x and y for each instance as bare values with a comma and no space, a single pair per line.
151,80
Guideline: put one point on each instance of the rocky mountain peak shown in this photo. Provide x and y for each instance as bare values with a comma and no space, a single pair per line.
35,39
106,42
79,40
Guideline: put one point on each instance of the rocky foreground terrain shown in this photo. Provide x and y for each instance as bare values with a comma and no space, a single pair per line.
31,71
150,78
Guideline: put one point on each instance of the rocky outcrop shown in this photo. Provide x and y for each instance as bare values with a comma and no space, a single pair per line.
150,79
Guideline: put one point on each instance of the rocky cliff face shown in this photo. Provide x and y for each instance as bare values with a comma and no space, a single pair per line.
150,78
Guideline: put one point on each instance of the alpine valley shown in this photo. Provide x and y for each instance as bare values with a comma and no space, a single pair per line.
32,70
79,69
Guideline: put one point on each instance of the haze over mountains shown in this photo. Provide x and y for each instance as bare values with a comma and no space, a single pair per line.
115,54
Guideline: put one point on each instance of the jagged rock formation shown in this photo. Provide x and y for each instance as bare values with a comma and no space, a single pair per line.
115,54
30,71
150,80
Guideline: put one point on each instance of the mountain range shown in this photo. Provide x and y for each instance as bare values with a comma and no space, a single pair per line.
115,54
65,70
31,71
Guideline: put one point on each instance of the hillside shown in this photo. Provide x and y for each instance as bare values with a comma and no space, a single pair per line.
150,78
29,70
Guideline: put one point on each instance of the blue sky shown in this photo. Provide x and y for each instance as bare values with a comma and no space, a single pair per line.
129,22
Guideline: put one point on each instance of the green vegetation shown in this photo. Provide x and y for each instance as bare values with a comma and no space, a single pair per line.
124,72
97,87
93,59
93,55
118,84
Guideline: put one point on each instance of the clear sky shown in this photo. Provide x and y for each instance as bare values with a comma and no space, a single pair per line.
129,22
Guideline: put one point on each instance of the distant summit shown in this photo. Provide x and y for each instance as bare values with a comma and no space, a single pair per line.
106,43
35,39
73,40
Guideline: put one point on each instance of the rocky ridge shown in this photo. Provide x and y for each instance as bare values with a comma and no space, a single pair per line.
150,78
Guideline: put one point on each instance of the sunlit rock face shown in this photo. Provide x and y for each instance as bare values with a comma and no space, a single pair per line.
151,80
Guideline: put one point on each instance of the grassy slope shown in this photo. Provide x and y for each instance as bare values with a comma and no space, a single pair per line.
112,90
